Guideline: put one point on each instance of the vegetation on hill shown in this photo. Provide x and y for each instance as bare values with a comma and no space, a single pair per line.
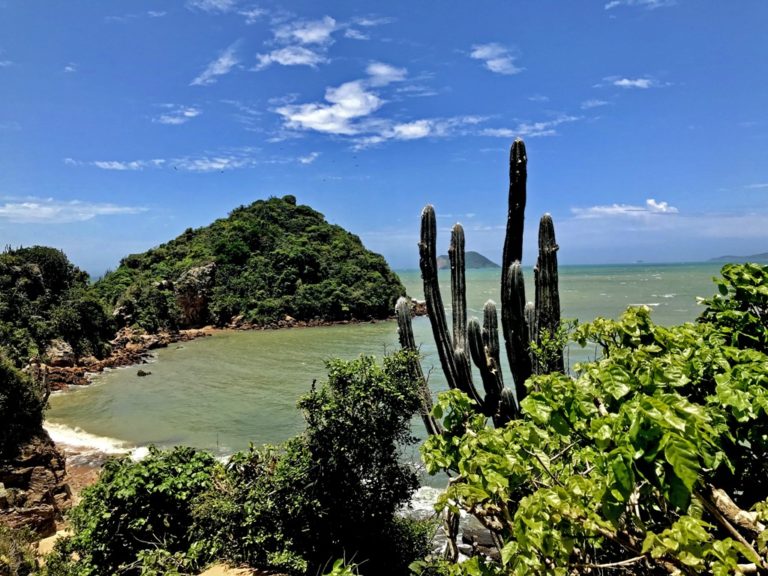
328,493
263,262
761,258
652,459
43,296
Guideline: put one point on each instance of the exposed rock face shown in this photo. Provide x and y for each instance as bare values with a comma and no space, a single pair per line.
33,492
60,353
193,293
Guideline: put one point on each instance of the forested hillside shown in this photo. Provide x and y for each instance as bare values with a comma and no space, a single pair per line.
264,262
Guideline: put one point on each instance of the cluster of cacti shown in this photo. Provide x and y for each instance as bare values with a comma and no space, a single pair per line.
523,323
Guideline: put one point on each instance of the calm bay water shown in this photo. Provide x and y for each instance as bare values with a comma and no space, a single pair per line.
222,392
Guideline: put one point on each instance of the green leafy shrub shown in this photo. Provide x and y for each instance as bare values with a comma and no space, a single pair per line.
652,459
21,408
334,490
17,558
137,518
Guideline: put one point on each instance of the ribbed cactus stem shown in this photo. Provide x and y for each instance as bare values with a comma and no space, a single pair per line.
435,308
484,364
458,287
408,342
516,329
547,291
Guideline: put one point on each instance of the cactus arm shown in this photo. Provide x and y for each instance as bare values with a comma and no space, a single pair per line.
547,291
408,342
435,308
458,287
516,336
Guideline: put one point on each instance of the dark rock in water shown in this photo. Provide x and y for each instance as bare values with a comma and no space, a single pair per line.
33,491
143,373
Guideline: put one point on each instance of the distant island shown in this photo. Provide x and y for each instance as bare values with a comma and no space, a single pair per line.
473,260
760,258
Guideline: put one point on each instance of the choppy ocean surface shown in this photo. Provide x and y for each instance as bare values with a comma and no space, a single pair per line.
223,392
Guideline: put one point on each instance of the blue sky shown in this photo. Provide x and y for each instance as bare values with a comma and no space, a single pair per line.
123,123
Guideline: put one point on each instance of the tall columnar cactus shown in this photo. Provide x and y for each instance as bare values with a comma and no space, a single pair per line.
522,323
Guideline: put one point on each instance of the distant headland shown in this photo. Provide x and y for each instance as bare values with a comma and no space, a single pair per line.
472,259
760,258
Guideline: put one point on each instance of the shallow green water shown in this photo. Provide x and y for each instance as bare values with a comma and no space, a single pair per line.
222,392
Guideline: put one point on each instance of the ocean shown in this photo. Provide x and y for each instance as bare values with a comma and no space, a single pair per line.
223,392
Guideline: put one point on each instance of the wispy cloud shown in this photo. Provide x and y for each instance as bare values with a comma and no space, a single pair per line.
6,63
531,129
222,65
290,56
214,6
355,34
757,186
309,158
648,4
70,68
135,16
417,129
252,15
642,83
497,58
381,74
308,31
538,98
593,103
652,207
218,161
176,115
51,211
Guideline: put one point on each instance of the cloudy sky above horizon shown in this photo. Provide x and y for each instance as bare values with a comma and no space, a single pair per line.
124,123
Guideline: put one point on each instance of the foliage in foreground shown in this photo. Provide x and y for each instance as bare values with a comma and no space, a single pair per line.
21,408
331,492
17,558
137,519
652,459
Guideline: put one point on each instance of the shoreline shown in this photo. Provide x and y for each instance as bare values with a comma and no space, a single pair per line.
132,348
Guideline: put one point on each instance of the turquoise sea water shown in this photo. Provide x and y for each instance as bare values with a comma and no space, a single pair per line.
224,391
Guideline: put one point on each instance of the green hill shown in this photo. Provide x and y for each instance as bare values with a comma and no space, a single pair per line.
472,259
264,262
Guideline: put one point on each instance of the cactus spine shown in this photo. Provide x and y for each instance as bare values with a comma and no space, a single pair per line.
522,322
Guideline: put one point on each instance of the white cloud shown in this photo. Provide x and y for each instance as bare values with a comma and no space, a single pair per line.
252,15
355,34
382,74
178,115
531,129
70,68
220,6
642,83
290,56
369,21
308,32
593,103
417,129
228,159
758,186
50,211
538,98
219,67
156,13
625,210
118,165
649,4
344,104
309,158
6,63
496,57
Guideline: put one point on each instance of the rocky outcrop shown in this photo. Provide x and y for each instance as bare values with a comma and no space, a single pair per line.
33,492
129,347
59,353
193,293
